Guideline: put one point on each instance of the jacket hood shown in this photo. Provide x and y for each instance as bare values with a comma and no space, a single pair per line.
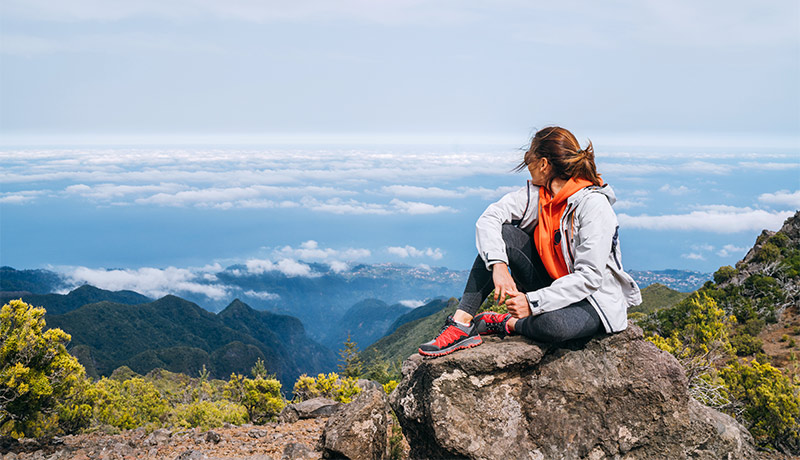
605,189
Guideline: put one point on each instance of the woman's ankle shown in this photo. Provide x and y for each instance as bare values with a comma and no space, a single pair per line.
462,317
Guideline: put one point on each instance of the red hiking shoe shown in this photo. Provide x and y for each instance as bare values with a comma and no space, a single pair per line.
490,322
452,337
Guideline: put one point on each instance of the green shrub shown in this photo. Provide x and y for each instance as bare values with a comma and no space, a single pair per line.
128,404
390,386
724,274
770,402
208,414
36,371
746,344
331,386
784,338
260,397
768,253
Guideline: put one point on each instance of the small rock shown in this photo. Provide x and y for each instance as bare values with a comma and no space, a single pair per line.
298,451
157,437
212,436
191,455
256,433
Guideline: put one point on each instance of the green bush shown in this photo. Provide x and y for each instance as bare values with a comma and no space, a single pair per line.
260,397
770,402
331,386
724,274
746,344
208,414
128,404
36,371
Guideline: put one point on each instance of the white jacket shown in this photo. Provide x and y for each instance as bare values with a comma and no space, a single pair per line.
590,229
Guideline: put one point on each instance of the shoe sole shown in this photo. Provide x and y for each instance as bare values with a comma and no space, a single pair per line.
469,343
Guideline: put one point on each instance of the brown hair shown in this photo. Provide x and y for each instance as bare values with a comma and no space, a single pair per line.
564,154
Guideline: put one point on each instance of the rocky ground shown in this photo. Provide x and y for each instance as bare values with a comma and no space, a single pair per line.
298,440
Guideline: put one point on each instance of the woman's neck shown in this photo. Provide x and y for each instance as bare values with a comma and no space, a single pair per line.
557,184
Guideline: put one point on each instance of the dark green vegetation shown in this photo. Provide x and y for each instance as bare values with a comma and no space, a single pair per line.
656,297
29,281
179,336
57,304
718,335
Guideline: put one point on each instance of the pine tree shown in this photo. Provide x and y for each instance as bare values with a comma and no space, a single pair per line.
350,359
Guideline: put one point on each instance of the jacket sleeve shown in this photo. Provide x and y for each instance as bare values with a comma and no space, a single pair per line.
594,231
489,228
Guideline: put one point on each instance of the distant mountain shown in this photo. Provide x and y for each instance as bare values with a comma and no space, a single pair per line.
657,296
679,280
177,335
57,304
29,281
417,313
365,322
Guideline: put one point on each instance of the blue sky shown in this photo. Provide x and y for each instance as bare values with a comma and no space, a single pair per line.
182,134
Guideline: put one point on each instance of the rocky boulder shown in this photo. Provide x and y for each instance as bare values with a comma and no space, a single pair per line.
310,408
614,396
359,430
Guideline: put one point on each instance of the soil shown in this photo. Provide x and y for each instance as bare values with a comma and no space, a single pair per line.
246,442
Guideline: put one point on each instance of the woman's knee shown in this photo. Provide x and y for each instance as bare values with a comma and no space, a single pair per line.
514,237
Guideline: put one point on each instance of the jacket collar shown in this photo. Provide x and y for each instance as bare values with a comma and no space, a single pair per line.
605,189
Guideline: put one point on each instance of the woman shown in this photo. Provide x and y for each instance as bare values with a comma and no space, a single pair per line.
550,251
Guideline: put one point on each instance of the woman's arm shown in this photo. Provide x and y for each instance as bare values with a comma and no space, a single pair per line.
489,228
594,231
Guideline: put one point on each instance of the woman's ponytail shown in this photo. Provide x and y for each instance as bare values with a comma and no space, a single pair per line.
581,165
564,153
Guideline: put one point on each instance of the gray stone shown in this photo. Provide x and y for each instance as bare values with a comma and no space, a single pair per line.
212,436
614,396
256,433
191,455
311,408
157,437
359,430
298,451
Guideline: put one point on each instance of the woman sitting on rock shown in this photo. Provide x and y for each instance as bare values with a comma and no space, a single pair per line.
550,251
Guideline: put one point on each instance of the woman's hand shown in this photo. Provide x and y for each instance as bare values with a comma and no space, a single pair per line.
518,304
503,282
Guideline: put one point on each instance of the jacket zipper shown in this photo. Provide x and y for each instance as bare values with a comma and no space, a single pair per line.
614,247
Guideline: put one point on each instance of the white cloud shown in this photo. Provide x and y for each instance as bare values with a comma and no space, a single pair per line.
411,303
311,251
782,198
628,204
677,191
702,247
263,295
412,207
693,256
411,191
768,166
286,266
21,197
730,250
715,219
291,267
338,267
153,282
410,251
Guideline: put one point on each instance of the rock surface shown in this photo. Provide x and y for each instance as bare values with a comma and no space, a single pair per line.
613,397
311,408
359,430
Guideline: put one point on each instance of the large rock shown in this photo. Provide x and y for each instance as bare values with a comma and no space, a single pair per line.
359,430
616,397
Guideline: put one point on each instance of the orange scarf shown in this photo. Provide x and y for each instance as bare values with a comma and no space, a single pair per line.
548,245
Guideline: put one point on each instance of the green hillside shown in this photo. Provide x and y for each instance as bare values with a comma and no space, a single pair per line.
657,296
57,304
179,336
365,322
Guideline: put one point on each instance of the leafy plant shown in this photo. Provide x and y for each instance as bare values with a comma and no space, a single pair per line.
36,371
331,386
260,397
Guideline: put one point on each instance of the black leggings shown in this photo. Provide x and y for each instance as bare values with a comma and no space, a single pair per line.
571,322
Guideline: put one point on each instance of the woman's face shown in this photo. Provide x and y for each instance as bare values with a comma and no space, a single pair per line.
540,170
